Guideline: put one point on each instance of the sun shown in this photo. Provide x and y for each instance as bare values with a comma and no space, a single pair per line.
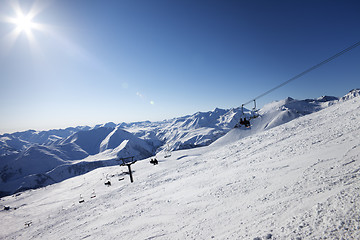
23,23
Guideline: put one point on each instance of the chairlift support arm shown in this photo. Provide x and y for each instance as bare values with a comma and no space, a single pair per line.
128,164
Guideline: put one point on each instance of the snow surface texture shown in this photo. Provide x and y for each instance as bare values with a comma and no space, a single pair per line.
299,180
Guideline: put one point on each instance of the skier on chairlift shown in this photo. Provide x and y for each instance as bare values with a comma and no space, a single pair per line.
242,121
246,122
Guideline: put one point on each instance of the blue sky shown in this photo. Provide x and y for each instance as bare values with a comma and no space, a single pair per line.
89,62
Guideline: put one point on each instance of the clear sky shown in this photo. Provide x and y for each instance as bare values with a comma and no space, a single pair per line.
79,62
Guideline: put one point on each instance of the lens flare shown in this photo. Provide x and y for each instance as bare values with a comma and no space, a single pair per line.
23,23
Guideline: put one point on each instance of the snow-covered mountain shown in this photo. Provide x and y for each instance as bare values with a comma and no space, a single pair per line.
353,93
279,112
199,129
40,165
293,180
19,141
33,159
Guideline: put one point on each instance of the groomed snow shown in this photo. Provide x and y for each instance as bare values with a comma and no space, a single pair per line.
299,180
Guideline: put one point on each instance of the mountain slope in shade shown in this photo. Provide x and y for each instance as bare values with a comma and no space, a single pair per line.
89,140
17,142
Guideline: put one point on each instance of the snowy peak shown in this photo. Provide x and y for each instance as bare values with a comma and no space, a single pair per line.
293,108
211,119
89,140
199,129
103,138
352,94
10,144
18,141
277,113
105,143
121,137
106,125
327,99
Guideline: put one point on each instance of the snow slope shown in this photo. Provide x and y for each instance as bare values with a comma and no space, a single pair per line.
298,180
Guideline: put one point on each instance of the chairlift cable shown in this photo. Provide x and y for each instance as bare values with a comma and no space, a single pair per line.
304,72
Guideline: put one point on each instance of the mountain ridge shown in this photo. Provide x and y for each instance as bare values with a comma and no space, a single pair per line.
103,144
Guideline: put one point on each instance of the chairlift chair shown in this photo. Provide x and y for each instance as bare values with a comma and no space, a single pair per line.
254,111
167,152
28,223
93,194
81,200
246,123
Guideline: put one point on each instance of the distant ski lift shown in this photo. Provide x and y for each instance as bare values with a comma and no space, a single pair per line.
93,194
167,152
120,175
81,200
28,223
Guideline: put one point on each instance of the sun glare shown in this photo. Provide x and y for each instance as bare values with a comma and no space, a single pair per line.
24,23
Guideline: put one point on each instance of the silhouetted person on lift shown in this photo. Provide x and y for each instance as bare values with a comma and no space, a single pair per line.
154,161
246,123
242,121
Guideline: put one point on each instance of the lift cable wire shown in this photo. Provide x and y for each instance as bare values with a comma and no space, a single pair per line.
304,72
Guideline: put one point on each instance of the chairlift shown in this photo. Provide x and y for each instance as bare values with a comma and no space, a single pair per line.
245,122
93,194
254,112
120,175
154,161
81,200
167,152
28,223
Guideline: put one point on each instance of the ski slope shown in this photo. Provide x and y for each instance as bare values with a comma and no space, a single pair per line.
298,180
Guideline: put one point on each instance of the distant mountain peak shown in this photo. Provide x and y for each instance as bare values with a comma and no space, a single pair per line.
327,98
351,94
